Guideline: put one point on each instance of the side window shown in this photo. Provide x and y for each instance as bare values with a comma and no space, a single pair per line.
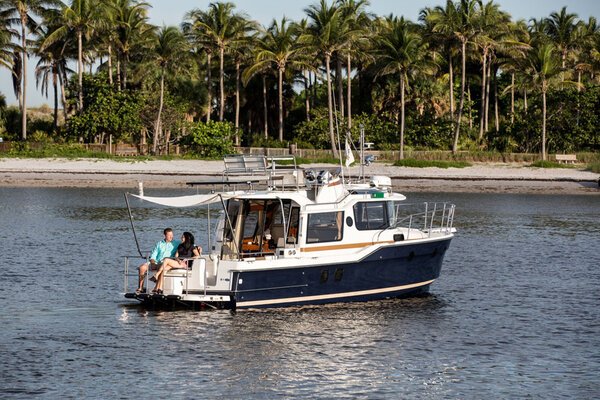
325,227
371,216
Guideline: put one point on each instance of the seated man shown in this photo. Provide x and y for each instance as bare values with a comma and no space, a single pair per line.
163,249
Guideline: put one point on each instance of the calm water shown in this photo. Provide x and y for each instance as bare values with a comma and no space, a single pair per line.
515,314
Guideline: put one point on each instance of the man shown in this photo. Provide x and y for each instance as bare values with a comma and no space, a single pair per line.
166,248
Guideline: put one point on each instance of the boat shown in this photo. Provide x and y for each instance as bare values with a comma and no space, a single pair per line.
286,236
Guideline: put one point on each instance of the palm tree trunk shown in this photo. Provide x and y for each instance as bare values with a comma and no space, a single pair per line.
470,108
451,84
24,87
306,94
124,70
483,85
401,116
340,84
330,106
525,100
61,80
280,102
237,102
55,87
208,84
487,97
512,98
119,72
462,96
349,90
80,68
222,83
496,113
265,109
157,125
543,123
110,70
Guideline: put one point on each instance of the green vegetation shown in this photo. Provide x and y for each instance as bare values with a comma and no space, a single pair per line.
465,77
409,162
551,164
594,167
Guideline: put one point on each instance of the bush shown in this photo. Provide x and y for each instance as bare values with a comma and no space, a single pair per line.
409,162
211,140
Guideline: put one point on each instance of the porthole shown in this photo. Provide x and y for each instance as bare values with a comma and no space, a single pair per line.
324,276
349,221
339,273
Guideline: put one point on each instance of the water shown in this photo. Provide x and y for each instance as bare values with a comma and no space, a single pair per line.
515,314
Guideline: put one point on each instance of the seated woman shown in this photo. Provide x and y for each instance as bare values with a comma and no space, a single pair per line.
185,251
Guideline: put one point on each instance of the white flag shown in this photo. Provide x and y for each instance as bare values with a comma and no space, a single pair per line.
349,155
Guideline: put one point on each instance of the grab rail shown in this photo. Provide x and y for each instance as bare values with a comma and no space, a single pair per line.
433,217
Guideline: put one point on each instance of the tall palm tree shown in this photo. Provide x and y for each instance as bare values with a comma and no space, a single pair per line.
561,27
241,49
220,26
131,30
441,23
23,13
492,24
278,49
52,63
79,17
327,33
193,28
358,20
543,67
169,50
400,51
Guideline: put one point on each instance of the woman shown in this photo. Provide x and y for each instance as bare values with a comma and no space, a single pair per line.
185,251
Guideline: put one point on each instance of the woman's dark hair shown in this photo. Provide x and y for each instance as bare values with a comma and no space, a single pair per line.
189,240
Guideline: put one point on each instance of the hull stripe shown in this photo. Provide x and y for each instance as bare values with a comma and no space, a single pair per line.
331,296
344,246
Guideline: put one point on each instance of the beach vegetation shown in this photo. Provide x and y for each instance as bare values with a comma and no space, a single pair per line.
411,162
464,76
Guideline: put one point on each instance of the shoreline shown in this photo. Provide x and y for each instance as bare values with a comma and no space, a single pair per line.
479,178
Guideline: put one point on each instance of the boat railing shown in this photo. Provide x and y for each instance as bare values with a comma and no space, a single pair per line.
126,273
428,217
277,172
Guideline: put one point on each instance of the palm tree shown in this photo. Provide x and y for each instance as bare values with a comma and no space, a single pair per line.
52,63
400,51
492,24
240,50
543,67
80,18
169,50
278,49
327,33
220,27
131,30
562,29
358,21
193,29
22,13
441,24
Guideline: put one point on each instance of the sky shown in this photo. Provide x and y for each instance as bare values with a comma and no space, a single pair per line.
171,12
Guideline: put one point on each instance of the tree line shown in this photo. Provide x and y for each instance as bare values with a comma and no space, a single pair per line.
465,75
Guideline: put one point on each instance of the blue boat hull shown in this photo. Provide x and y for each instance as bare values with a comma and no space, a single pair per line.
401,270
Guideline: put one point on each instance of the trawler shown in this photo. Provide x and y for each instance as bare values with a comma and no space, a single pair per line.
295,237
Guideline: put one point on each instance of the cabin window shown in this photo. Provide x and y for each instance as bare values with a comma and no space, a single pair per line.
325,227
371,215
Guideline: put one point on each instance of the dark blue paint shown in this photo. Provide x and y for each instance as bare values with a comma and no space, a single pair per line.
399,265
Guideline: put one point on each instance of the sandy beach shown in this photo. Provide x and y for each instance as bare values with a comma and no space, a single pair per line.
496,178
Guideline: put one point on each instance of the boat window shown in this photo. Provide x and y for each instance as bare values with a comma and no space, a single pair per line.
325,227
371,215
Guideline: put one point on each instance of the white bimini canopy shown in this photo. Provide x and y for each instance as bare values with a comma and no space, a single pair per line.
185,201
